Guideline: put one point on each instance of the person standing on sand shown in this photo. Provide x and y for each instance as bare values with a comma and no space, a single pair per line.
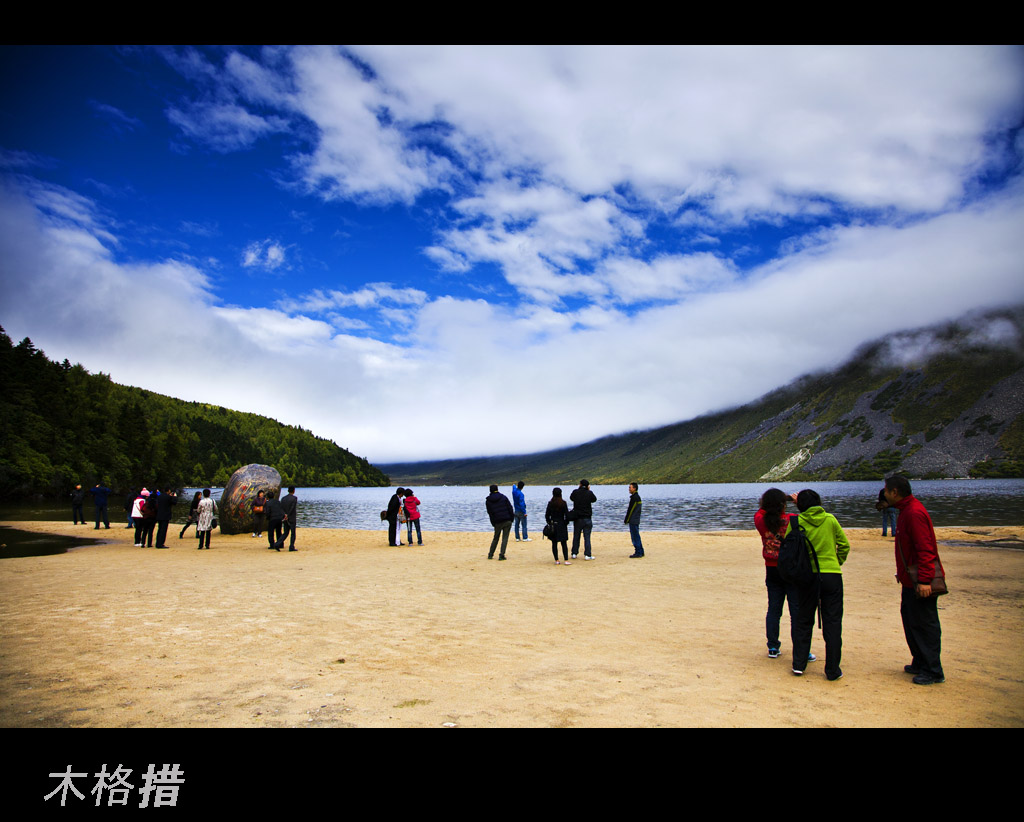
394,504
164,506
917,555
772,522
259,513
290,504
412,515
275,521
100,495
149,518
557,518
831,546
889,513
582,506
499,509
519,509
77,505
204,526
193,515
633,520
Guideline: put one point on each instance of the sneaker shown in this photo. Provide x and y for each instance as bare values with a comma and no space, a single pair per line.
636,556
834,678
928,679
501,558
586,557
798,673
527,539
574,556
811,658
773,653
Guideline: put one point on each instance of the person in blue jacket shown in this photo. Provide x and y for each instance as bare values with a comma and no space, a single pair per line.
100,495
519,508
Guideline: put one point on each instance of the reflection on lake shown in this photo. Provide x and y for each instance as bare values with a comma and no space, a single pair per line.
711,507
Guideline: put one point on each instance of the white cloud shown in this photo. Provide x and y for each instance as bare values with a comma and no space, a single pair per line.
265,254
558,166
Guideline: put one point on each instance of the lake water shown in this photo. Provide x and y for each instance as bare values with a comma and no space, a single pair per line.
710,507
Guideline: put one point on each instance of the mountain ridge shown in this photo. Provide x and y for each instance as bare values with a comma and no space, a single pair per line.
940,401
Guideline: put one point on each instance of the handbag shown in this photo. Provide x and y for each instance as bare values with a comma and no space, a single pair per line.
938,582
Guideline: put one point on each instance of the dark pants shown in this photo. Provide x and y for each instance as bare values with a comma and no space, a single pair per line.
829,590
923,631
582,525
161,532
274,532
77,513
289,531
204,535
393,530
502,529
101,515
779,593
148,527
140,529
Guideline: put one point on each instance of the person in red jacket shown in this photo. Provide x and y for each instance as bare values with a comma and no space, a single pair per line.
771,521
915,546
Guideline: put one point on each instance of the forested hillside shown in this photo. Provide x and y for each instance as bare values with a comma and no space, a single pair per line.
60,425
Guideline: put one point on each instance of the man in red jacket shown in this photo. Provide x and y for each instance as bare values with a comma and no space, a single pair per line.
915,546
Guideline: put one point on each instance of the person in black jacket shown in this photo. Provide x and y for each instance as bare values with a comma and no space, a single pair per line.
557,518
499,509
582,500
275,518
164,505
77,504
290,504
633,521
394,504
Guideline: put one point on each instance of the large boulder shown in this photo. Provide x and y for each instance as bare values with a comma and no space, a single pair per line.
235,506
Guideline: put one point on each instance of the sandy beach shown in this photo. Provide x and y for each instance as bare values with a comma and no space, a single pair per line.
348,632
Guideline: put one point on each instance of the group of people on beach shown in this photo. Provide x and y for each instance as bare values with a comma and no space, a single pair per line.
276,517
918,570
557,517
403,508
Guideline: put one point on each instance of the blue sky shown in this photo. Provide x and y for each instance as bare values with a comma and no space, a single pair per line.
426,252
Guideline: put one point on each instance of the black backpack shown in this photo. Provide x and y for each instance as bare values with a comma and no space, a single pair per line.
795,554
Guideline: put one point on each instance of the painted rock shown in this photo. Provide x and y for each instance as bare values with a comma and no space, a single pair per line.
235,505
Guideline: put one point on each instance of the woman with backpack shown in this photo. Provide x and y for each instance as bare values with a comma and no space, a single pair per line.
771,521
828,548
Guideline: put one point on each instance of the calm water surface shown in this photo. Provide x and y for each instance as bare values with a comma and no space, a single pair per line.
712,507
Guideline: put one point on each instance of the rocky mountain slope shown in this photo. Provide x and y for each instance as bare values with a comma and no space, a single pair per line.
936,402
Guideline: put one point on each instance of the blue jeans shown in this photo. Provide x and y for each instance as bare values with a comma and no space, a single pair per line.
889,516
419,536
520,518
582,525
634,535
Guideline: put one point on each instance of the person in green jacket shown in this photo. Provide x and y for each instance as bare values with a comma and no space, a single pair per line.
831,547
